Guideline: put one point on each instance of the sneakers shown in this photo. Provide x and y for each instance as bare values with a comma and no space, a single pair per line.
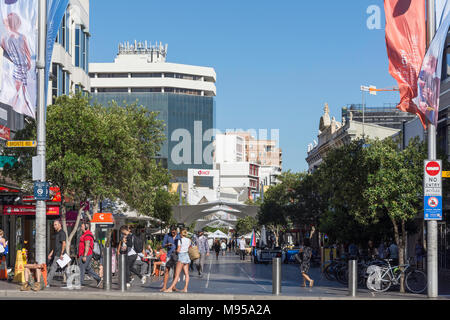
36,287
144,279
99,282
25,287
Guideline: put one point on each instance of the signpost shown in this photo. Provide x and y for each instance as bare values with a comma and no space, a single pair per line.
21,144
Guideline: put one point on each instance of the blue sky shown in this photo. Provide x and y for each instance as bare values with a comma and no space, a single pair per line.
277,62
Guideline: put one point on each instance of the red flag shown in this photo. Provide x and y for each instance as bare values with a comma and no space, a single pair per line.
406,45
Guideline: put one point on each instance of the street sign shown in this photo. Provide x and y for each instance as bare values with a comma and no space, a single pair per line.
21,144
432,178
445,174
41,190
432,208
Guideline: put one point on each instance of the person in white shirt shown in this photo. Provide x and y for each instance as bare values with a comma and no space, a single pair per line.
183,261
242,248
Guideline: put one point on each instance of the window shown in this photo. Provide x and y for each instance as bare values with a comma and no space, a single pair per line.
60,81
146,75
81,48
115,90
112,75
145,89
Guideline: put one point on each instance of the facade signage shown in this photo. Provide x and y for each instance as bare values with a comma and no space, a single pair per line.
5,133
28,210
432,208
432,178
445,174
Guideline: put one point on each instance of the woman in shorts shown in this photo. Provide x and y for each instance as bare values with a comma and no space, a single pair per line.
183,261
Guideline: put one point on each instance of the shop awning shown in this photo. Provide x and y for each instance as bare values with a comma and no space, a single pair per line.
28,210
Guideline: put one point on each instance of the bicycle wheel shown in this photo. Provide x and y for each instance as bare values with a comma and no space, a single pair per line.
329,273
342,275
416,281
380,285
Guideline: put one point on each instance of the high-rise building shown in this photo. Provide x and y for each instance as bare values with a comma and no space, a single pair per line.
182,94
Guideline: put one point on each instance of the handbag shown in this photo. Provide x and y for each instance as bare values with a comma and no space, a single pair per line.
194,254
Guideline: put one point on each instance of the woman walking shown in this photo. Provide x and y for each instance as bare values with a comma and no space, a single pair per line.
304,257
216,248
183,261
223,246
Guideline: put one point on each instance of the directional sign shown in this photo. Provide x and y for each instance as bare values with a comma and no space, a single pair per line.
432,178
432,208
445,174
21,144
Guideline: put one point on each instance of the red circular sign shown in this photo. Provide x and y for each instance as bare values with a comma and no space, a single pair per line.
433,168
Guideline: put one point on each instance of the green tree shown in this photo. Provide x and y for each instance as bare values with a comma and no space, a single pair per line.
246,225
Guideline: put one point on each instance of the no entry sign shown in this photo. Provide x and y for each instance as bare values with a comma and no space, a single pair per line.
432,189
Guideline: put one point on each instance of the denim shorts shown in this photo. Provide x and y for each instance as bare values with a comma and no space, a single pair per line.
183,257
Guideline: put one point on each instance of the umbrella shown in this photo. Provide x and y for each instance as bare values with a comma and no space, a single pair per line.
263,240
253,239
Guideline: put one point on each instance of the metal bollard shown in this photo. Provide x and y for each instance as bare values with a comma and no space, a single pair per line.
107,268
123,272
276,276
352,277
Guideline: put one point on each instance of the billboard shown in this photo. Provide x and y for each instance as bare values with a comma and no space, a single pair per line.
18,43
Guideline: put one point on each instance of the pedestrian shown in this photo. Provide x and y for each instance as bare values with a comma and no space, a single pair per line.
170,243
85,250
304,258
382,250
242,247
128,246
142,265
161,257
58,251
372,251
33,274
229,245
203,249
223,246
420,253
3,244
183,261
216,248
393,253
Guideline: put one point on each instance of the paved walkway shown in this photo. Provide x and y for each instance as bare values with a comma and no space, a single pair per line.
227,278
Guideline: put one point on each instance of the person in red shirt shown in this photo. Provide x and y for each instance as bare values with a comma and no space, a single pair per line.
85,253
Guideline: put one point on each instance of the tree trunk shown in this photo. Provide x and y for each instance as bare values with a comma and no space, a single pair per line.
398,241
74,231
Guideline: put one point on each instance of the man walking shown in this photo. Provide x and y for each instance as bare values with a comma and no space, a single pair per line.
170,243
58,252
85,250
129,242
203,249
242,248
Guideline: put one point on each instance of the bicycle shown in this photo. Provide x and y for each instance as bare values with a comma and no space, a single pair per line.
382,277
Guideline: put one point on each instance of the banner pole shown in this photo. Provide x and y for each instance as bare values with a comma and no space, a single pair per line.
432,254
41,256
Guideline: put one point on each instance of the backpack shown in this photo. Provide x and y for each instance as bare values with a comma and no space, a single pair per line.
96,252
138,246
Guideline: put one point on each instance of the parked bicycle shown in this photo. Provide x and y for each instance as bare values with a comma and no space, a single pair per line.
381,278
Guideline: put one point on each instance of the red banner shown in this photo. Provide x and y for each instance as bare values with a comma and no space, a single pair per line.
28,210
406,43
5,132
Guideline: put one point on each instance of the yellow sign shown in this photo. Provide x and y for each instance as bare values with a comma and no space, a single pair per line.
21,261
445,174
20,144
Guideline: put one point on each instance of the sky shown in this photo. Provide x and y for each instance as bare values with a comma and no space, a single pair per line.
277,62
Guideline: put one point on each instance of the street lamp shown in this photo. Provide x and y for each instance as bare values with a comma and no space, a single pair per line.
371,90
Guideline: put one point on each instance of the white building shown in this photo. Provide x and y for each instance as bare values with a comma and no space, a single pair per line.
70,59
229,148
141,67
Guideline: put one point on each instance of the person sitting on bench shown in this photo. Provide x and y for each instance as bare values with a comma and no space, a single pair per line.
34,277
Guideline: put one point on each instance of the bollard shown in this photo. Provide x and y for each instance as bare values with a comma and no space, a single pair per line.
107,268
276,276
123,272
352,277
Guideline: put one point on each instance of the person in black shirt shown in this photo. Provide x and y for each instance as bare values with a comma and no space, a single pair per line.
58,252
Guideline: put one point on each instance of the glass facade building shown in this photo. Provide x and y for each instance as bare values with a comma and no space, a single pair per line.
189,122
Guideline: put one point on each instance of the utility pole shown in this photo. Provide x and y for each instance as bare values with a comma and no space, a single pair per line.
432,257
41,207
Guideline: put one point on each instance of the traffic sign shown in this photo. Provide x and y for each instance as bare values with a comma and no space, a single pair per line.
41,190
432,208
21,144
445,174
432,178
